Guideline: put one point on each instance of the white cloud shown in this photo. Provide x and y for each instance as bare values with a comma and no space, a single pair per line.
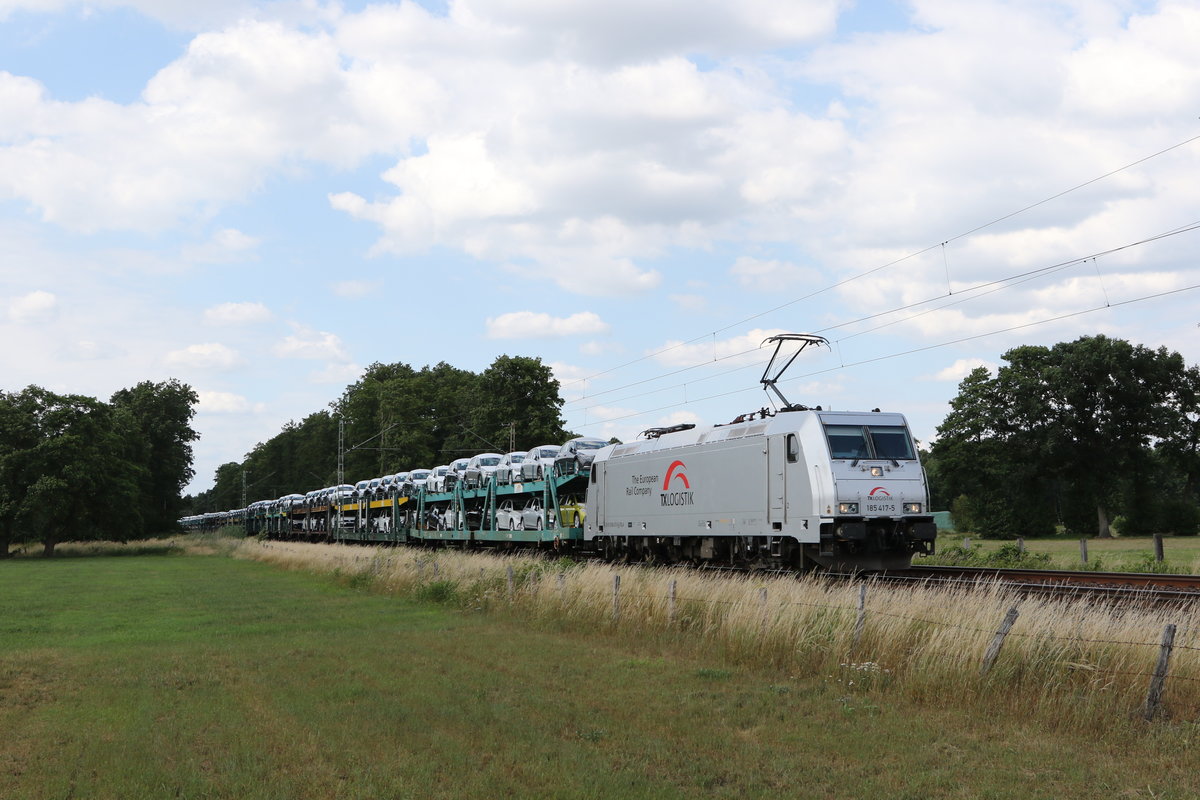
568,373
634,31
225,246
961,368
735,351
772,275
312,344
181,14
209,128
37,306
226,403
211,355
237,314
536,325
1150,65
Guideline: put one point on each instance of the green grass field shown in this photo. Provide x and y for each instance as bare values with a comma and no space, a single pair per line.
1119,554
208,677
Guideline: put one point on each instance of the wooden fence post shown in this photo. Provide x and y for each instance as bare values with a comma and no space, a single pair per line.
1083,551
762,603
1154,695
671,603
966,543
512,590
1158,547
993,650
562,587
1020,544
861,622
616,598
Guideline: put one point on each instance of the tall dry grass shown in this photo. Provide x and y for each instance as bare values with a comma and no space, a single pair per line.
1074,662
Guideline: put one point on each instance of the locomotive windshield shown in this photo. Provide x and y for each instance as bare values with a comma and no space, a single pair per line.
869,441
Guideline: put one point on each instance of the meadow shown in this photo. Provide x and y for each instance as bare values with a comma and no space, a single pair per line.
298,671
1181,554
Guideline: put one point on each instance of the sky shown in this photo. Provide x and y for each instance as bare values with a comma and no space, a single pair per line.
263,198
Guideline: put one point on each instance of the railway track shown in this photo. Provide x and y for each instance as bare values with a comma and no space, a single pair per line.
1120,586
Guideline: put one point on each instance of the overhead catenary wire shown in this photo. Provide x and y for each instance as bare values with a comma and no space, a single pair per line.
919,349
964,295
884,266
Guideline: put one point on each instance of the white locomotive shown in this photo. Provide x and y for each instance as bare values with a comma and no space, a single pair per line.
843,490
794,488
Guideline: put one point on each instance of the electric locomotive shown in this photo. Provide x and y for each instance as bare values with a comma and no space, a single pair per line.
796,489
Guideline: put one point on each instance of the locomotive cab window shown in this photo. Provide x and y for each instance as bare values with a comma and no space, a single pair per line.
847,441
891,441
793,448
871,441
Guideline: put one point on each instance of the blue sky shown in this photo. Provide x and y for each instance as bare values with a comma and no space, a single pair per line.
263,198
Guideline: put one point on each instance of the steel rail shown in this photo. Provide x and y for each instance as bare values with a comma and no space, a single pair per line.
1124,586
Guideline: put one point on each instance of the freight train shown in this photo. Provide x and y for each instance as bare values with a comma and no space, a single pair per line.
796,488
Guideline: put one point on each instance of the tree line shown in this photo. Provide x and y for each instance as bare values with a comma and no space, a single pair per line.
75,467
396,418
1073,437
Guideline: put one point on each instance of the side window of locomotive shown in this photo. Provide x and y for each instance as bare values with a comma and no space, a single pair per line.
846,441
892,441
793,448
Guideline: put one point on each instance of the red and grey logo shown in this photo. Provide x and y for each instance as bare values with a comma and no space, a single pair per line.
882,492
676,472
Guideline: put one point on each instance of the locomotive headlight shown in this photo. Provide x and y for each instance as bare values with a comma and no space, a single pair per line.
847,508
876,472
912,508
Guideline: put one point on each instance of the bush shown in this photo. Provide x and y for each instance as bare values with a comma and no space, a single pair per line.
1008,556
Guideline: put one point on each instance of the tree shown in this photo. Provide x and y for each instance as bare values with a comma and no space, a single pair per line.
518,399
18,435
160,439
1110,401
1068,432
79,482
397,418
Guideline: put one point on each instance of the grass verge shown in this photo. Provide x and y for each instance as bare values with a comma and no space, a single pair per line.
1076,664
153,677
